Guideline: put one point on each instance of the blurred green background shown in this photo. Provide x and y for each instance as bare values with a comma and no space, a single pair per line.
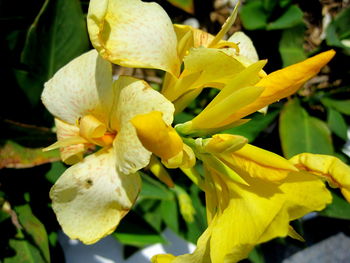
38,37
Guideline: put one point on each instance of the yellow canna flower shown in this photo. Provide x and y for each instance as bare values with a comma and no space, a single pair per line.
254,208
137,34
90,108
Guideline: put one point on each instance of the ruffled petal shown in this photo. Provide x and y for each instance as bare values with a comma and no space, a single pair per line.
83,86
262,211
133,34
73,153
331,168
91,197
135,97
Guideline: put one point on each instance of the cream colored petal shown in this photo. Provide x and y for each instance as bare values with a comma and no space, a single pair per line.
133,34
73,153
246,46
81,87
91,197
137,97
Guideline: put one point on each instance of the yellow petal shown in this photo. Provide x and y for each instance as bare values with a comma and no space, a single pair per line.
284,82
83,86
211,65
160,172
262,211
133,34
216,115
135,97
258,163
331,168
73,153
163,258
90,127
156,136
91,197
247,77
221,143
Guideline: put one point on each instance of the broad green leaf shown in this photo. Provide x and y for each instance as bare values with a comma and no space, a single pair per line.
269,5
253,15
57,35
284,3
301,133
13,155
135,231
31,244
339,208
170,214
337,124
57,168
292,17
291,45
25,251
186,5
255,126
338,30
343,106
153,189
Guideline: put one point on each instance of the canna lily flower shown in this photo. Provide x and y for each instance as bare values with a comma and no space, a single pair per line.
251,196
90,108
138,34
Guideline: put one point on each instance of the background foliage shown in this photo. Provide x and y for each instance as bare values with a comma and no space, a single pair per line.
39,37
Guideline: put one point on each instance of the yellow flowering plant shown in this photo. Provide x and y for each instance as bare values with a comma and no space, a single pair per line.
251,194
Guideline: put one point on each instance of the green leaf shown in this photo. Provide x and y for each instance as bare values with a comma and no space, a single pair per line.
57,35
57,168
170,214
292,17
34,228
291,45
253,15
301,133
343,106
337,124
255,126
339,208
153,189
135,231
186,5
31,244
13,155
338,30
256,255
269,5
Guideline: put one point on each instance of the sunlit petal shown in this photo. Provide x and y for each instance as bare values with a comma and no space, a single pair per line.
91,197
135,98
79,88
133,34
